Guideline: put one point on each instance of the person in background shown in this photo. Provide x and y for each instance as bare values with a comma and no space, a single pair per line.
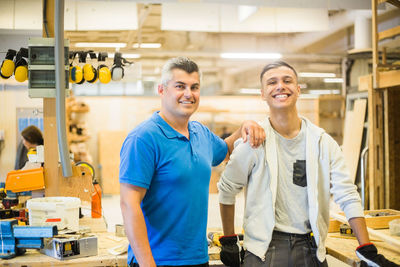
165,172
31,137
289,182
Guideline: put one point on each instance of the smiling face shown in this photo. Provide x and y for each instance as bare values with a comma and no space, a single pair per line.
280,88
180,97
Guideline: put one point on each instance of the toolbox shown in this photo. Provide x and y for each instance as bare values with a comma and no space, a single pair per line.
70,246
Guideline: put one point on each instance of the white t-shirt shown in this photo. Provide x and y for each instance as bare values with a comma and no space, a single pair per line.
291,207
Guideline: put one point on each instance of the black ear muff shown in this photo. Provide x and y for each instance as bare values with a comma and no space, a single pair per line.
8,65
117,71
104,74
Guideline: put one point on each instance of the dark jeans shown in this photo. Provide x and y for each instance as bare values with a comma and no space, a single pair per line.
287,250
198,265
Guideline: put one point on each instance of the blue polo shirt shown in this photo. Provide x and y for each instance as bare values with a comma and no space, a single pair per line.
176,173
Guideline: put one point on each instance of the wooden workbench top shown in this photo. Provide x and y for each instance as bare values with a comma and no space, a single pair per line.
343,248
340,248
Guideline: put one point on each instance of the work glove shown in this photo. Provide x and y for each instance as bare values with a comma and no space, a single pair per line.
231,253
368,254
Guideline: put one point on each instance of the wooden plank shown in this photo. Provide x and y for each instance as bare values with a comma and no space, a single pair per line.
389,33
375,153
386,117
51,179
364,82
352,137
394,2
344,249
110,143
375,122
389,78
51,155
78,185
392,145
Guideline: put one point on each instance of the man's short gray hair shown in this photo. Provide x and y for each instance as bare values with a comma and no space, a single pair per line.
182,63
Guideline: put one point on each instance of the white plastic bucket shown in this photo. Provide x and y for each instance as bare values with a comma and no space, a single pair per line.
60,211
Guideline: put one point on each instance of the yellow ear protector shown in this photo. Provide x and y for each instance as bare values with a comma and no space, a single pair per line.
103,71
89,72
8,65
21,65
75,72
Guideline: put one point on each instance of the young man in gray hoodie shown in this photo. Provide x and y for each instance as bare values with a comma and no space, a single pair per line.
288,183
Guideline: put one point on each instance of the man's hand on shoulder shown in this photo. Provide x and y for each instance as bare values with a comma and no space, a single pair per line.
368,254
256,134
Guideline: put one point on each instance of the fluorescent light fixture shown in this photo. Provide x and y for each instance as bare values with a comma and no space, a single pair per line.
303,85
250,91
324,92
146,45
111,55
333,80
251,55
116,45
245,11
317,75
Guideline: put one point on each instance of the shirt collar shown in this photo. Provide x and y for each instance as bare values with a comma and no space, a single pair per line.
168,131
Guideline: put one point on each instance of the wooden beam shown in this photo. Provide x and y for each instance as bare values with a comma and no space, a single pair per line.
51,154
392,146
389,78
393,2
389,33
364,82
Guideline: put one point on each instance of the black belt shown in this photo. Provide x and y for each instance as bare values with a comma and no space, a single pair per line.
303,236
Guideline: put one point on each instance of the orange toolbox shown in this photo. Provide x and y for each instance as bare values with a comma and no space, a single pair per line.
25,180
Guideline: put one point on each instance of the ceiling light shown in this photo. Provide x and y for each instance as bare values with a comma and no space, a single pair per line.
245,11
146,45
111,55
317,74
333,80
251,55
324,92
116,45
250,91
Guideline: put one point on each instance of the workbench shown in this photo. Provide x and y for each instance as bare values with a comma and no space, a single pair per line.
106,240
340,248
343,248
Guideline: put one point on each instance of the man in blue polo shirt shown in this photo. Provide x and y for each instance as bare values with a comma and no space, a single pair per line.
165,172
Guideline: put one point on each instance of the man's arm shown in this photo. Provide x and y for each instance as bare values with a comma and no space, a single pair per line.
254,130
228,218
360,229
135,226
